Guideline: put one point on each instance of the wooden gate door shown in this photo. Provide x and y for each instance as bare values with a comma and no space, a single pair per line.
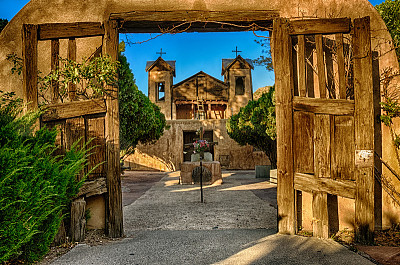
95,119
325,124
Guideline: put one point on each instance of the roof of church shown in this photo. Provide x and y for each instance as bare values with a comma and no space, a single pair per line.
150,64
199,73
226,63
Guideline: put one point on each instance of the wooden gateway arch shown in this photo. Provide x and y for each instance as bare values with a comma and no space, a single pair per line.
324,107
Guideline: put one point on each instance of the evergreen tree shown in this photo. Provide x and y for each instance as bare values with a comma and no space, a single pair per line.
140,119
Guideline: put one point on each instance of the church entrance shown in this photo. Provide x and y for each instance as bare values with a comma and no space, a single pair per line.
188,139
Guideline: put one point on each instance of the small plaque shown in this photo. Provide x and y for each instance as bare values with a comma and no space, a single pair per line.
364,158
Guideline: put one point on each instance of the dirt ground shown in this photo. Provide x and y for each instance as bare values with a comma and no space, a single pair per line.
386,250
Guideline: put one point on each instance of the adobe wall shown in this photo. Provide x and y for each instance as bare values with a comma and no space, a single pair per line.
47,11
167,153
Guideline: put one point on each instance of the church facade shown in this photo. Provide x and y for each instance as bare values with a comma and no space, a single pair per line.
198,101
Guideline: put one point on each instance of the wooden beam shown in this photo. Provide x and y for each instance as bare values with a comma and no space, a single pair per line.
320,65
340,62
284,126
302,66
195,15
72,56
309,183
188,26
70,30
55,54
320,26
68,110
94,187
114,227
324,106
30,58
364,131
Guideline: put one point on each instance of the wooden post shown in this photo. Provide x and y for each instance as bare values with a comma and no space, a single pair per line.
72,56
29,56
284,125
364,132
55,53
114,227
320,65
302,66
78,221
340,62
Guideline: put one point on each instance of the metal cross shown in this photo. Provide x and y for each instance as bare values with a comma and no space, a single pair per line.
236,51
161,52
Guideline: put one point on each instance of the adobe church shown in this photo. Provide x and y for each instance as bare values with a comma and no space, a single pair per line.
198,101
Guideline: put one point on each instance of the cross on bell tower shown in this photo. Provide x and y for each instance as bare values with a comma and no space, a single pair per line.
161,52
236,51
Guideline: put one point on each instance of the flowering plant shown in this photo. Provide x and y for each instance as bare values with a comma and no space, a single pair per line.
201,146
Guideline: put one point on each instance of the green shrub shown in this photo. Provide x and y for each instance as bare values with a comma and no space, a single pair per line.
35,186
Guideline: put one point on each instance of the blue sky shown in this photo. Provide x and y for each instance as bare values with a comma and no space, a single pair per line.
193,52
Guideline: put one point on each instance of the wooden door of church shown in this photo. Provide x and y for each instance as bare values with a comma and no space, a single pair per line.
96,119
325,123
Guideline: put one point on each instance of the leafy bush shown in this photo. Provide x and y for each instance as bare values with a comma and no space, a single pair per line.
35,186
255,124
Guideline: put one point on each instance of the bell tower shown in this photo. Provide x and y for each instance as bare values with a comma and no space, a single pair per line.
237,74
160,81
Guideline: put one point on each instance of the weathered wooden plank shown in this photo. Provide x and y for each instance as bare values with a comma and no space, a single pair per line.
55,54
308,183
303,134
284,123
310,74
60,138
322,168
78,220
320,26
70,30
114,225
320,65
93,187
74,132
73,109
72,56
195,15
320,214
342,159
322,146
95,134
302,66
364,130
324,106
340,62
30,74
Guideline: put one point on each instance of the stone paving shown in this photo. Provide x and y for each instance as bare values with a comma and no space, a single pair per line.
170,206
